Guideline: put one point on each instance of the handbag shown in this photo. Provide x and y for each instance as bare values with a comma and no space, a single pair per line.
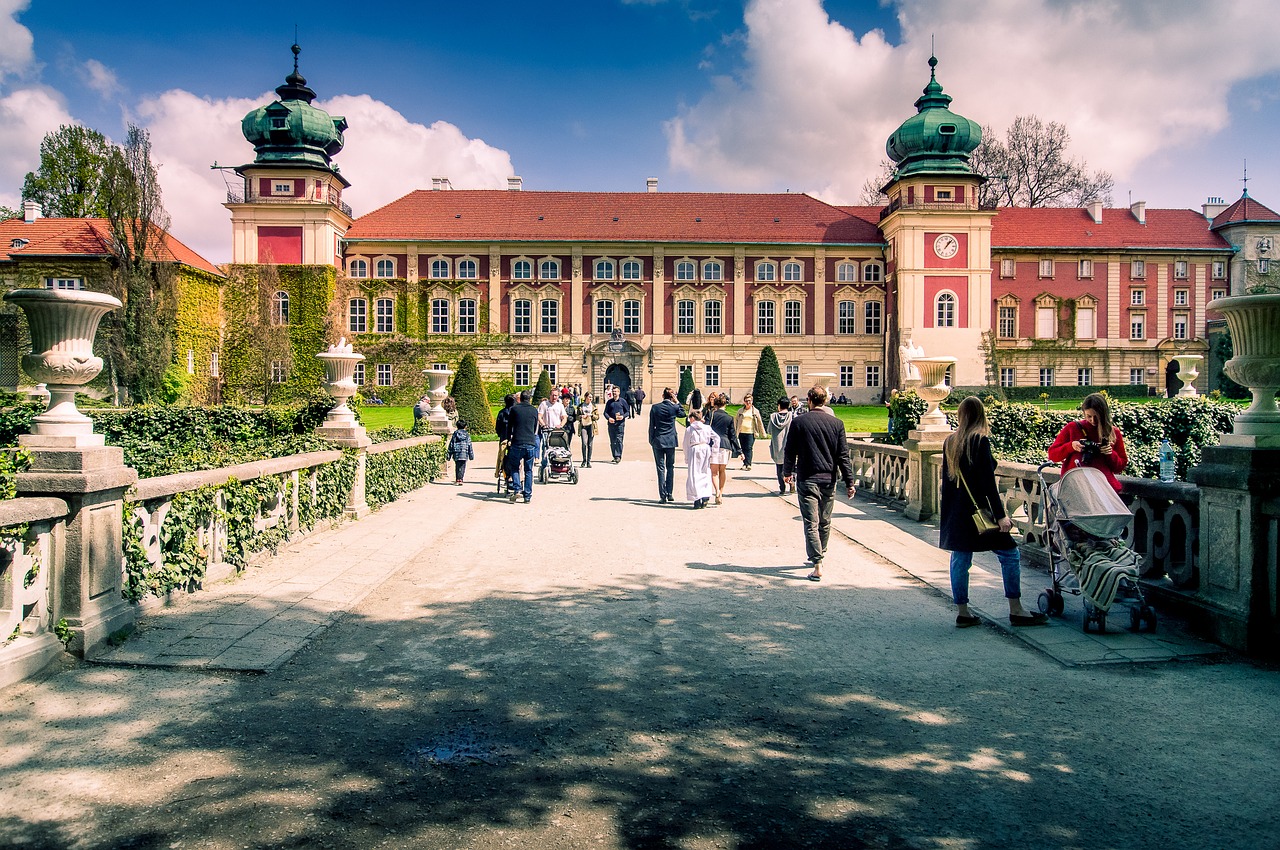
982,517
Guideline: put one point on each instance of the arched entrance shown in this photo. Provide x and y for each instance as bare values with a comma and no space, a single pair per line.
619,376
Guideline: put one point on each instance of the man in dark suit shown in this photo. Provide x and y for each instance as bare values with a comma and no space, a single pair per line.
663,440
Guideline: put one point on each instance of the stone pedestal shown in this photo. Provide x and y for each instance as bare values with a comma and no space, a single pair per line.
922,486
1240,503
89,577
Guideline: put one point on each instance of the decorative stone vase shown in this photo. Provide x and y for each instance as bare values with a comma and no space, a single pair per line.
1188,371
1254,321
933,389
440,421
340,368
63,324
821,379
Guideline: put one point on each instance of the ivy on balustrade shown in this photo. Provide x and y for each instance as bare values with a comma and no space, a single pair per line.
390,475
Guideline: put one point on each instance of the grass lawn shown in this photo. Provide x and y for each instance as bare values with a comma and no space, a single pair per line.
375,416
860,418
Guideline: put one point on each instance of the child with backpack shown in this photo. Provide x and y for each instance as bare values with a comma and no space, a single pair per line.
460,450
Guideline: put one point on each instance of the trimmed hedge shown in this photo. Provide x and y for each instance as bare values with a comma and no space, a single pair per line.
469,395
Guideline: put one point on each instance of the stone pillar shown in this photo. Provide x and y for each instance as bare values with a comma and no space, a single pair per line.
1240,502
340,425
922,487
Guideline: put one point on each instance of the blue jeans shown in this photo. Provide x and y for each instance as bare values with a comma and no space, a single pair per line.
1010,571
518,456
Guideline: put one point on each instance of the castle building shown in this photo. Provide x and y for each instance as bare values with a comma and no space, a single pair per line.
631,288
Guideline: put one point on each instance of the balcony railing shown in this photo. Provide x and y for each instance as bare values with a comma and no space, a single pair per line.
237,196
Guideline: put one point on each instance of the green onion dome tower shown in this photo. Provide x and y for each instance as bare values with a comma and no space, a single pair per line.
934,140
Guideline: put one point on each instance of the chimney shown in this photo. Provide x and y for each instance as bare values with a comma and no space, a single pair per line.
515,184
1139,210
440,184
651,184
30,211
1095,211
1213,207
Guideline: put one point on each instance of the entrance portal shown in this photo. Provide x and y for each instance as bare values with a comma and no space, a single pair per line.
619,376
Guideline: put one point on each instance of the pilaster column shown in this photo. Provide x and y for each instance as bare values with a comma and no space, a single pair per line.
495,290
573,315
819,329
739,291
659,294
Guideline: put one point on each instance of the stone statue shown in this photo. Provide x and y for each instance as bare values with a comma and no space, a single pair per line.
907,352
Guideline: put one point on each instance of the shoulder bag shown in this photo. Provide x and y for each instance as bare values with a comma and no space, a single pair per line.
982,517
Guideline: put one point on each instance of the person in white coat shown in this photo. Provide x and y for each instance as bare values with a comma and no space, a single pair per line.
699,444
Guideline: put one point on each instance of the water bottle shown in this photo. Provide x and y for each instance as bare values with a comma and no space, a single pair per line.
1168,461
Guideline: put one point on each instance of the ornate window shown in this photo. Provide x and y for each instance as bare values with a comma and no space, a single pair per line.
439,269
631,316
385,267
604,317
873,272
468,269
550,312
712,270
792,271
1007,321
522,270
549,270
847,272
846,375
357,268
713,317
357,315
1086,318
872,317
847,317
685,270
439,315
384,315
551,370
631,270
1046,317
791,317
766,271
944,310
684,316
280,308
765,318
604,270
466,315
522,317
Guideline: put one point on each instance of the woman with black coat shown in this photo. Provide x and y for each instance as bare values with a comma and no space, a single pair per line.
968,467
722,423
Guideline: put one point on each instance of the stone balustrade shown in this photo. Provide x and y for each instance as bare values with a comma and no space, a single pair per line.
30,531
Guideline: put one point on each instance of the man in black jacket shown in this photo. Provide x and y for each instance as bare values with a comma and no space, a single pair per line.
522,424
616,412
663,440
817,449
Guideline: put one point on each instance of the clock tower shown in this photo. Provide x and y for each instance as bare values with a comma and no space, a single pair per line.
939,241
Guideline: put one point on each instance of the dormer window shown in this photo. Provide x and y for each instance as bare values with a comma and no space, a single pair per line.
947,130
19,243
282,187
279,122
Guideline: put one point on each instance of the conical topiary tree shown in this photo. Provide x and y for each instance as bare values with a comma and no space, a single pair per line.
469,394
543,389
768,387
686,386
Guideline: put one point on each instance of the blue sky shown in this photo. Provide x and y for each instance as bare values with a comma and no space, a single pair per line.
766,95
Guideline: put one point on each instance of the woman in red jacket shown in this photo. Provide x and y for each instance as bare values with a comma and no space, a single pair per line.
1091,441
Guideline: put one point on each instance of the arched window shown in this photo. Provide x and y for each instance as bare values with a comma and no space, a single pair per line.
384,315
385,268
791,271
684,270
604,269
439,268
358,315
766,271
873,273
945,310
358,268
712,270
631,270
522,270
549,270
467,269
847,273
280,308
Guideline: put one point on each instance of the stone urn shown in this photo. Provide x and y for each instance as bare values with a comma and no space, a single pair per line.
1254,321
823,379
63,323
1188,371
441,423
933,389
340,368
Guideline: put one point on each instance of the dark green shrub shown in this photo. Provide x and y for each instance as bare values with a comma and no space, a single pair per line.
768,386
469,395
905,410
543,388
686,386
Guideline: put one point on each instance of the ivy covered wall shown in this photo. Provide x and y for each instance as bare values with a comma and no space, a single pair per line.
198,330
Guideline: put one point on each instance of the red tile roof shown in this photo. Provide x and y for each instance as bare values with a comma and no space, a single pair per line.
484,215
1245,209
82,237
1054,227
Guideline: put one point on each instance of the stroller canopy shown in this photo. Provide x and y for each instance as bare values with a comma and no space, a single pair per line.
1086,500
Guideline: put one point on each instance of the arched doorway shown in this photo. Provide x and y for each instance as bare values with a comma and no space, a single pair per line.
619,376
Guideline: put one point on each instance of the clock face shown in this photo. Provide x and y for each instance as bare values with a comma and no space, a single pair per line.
946,246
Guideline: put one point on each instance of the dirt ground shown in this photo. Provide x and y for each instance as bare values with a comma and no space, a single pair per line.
595,670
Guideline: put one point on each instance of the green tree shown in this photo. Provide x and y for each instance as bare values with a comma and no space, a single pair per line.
469,393
71,179
543,389
686,386
8,213
768,386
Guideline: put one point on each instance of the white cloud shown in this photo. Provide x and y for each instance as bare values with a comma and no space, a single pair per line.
386,156
16,42
100,78
815,102
26,115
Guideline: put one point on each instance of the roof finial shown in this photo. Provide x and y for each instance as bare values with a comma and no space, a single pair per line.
1245,179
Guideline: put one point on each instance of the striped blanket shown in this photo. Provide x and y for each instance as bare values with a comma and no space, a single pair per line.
1099,565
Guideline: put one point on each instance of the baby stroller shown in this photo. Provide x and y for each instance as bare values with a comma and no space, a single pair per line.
557,460
1084,521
